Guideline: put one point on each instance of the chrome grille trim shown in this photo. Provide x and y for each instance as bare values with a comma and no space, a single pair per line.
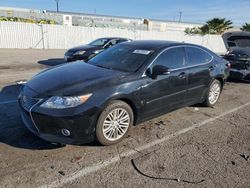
28,102
30,112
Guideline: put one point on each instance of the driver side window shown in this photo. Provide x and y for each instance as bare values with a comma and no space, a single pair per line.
173,58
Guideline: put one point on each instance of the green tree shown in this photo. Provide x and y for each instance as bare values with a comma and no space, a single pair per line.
214,26
245,27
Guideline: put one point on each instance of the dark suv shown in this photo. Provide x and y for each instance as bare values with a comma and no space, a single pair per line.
86,52
238,45
124,85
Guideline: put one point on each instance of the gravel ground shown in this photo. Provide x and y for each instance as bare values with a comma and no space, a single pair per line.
190,147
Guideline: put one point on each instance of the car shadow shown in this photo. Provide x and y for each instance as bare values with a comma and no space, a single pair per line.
13,132
52,62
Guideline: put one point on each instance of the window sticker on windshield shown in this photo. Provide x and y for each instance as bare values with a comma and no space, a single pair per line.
143,52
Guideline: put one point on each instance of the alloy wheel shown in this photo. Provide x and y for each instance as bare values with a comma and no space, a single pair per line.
116,124
214,93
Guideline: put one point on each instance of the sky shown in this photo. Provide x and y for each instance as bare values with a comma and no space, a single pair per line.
197,11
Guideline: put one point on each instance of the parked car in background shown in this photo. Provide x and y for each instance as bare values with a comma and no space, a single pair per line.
238,45
86,52
124,85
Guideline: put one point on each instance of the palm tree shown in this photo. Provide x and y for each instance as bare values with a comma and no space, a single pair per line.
215,26
245,27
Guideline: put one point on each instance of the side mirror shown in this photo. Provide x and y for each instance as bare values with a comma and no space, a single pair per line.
160,70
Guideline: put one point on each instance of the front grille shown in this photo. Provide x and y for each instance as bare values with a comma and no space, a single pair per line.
28,102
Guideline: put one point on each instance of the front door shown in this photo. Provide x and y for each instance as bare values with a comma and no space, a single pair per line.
168,91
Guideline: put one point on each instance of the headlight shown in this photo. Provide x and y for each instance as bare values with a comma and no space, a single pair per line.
98,51
57,102
79,53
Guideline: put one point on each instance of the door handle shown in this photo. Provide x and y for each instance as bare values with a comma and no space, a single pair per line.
182,75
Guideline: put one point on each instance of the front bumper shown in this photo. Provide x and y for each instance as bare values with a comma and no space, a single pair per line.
48,126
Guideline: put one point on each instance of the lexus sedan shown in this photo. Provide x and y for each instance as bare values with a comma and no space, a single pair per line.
86,52
123,86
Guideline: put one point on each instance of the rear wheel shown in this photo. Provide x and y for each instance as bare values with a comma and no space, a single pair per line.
213,94
114,123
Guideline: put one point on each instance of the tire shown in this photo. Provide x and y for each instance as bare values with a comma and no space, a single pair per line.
213,94
114,123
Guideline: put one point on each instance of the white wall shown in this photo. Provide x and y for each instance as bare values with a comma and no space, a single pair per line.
27,35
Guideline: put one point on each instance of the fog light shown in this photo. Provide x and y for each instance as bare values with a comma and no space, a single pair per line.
65,132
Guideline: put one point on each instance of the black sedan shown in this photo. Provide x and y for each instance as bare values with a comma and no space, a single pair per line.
123,86
86,52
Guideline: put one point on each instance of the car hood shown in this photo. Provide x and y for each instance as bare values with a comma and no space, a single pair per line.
73,79
83,47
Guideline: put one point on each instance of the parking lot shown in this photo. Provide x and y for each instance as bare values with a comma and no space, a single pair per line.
190,147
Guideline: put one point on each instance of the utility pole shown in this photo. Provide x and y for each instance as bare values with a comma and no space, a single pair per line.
57,5
180,15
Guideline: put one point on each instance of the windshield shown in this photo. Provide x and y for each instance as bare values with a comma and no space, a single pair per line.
127,58
99,42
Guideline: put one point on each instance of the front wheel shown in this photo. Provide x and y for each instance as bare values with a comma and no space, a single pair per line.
114,123
213,93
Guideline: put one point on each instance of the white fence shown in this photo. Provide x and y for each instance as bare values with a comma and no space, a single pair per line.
27,35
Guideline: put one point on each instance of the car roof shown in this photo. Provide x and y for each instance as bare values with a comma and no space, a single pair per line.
111,38
157,44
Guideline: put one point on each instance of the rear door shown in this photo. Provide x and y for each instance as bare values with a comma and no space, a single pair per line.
199,66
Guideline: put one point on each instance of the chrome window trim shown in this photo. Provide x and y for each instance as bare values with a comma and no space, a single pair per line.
184,46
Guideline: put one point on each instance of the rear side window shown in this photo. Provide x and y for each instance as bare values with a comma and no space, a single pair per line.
173,58
197,56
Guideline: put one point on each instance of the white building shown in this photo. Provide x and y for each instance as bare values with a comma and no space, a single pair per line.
94,20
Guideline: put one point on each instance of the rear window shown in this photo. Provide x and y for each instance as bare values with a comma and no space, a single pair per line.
197,56
240,41
127,58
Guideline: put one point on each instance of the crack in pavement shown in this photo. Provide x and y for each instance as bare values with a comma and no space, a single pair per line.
163,178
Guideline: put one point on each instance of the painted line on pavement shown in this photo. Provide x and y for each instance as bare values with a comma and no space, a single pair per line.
96,167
